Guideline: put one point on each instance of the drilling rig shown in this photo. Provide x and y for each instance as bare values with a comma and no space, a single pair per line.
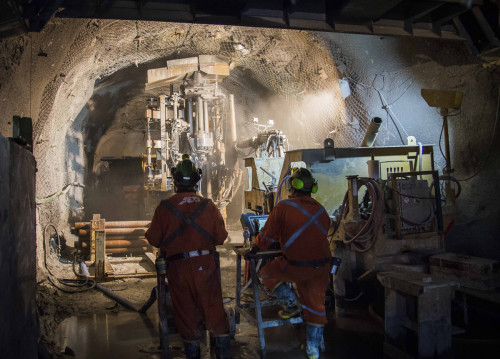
195,117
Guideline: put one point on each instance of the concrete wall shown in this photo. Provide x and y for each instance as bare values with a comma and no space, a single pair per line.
19,327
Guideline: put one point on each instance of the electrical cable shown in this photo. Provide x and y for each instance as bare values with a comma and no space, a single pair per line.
366,237
58,193
61,283
440,149
386,107
406,90
278,193
457,182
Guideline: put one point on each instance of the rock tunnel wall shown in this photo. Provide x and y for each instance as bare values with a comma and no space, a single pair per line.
290,76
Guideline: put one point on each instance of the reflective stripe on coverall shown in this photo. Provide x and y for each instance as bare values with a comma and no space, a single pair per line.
300,225
194,283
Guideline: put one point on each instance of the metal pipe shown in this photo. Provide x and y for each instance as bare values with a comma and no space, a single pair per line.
176,106
373,168
119,243
352,184
137,231
164,142
371,132
149,144
128,250
120,250
192,123
199,114
206,116
444,113
232,114
437,196
115,224
120,237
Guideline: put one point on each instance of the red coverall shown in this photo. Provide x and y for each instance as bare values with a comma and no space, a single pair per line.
194,282
312,244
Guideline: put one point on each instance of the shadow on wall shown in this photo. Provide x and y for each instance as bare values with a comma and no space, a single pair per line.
474,237
93,121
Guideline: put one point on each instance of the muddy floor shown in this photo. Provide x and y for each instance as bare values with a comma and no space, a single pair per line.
90,325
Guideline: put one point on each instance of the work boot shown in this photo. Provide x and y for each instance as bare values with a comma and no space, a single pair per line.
222,347
315,340
292,306
192,350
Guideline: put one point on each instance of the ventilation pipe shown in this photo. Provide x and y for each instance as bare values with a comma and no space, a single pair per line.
371,132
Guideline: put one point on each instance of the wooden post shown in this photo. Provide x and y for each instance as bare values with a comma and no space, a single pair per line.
98,245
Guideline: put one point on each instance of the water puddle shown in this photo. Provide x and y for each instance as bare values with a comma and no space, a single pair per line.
111,335
129,335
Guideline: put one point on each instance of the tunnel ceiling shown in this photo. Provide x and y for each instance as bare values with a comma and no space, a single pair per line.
289,64
473,21
290,76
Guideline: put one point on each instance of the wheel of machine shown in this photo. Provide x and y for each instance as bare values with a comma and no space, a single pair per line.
231,319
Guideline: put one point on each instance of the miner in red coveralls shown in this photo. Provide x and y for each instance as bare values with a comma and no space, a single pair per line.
187,227
300,224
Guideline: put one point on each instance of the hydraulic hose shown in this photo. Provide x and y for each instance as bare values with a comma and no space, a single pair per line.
278,194
366,237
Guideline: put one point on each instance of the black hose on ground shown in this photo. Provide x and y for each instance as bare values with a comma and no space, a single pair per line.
120,300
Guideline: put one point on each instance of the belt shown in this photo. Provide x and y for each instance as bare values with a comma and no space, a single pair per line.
311,264
187,255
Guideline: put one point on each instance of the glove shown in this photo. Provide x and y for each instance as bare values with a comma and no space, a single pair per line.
252,252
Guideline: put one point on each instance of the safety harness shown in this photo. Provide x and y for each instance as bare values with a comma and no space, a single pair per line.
186,222
311,219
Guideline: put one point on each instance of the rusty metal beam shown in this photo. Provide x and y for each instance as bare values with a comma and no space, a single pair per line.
446,13
417,11
485,26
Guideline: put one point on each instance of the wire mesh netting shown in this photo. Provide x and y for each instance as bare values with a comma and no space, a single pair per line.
298,70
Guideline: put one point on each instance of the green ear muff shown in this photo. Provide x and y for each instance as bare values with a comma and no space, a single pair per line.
314,188
297,183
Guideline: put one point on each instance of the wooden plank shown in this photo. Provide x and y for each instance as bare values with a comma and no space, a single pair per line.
122,260
100,254
108,268
151,257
